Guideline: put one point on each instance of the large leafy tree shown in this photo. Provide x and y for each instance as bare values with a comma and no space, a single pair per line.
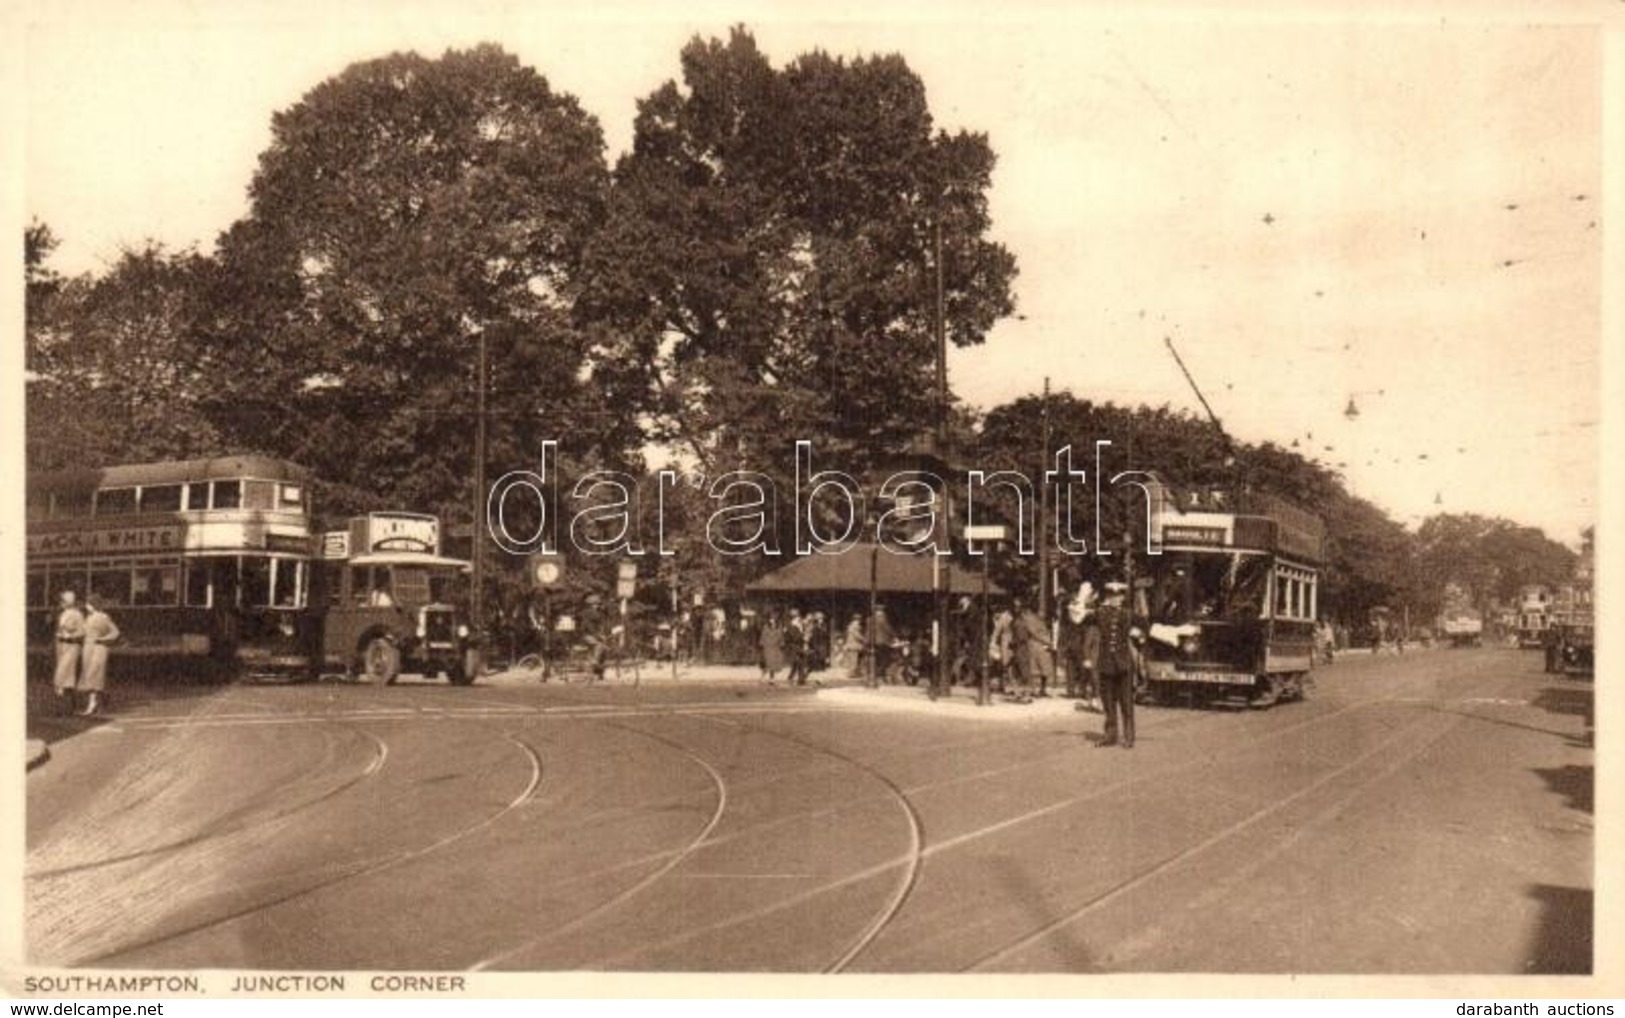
114,372
405,209
768,258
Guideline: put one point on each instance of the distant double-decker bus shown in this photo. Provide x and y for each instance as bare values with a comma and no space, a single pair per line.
206,560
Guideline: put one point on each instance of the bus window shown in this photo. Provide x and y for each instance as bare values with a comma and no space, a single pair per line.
37,587
39,504
111,585
115,502
197,583
161,498
196,496
447,587
289,496
155,585
69,504
227,495
332,584
256,582
411,585
258,494
288,582
370,587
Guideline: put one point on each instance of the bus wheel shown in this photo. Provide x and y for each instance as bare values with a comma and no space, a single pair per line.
380,661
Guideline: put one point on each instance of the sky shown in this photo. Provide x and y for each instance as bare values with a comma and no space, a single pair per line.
1316,208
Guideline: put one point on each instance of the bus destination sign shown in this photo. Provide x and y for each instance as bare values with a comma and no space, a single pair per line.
124,540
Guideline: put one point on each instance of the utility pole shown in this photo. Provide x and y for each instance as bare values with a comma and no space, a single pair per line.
939,599
1043,509
476,619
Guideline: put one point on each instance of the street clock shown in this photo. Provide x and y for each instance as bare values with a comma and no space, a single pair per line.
546,570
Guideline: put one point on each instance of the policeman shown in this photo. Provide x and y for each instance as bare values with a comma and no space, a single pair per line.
1115,666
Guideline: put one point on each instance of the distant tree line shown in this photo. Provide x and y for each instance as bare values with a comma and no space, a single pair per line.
760,266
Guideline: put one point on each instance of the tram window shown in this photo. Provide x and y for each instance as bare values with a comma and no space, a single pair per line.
258,494
289,496
1249,590
111,585
1282,596
197,496
115,502
162,498
227,495
37,587
256,582
197,583
155,585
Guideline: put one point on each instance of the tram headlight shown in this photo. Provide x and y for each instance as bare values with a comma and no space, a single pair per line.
1187,645
462,632
286,627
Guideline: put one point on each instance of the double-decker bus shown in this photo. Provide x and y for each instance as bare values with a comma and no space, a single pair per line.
1232,598
206,560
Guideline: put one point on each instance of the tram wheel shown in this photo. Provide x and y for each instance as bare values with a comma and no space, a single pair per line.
381,661
1269,692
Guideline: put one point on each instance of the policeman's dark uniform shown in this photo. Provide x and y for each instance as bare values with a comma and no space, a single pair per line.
1116,671
1552,641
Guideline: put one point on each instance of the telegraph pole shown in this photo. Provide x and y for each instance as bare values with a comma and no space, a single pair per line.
477,595
1043,509
939,600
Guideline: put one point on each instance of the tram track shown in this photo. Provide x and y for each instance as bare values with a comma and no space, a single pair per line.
378,866
374,765
1243,825
675,858
913,861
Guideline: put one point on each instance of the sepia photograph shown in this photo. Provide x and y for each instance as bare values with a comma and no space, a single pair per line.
515,493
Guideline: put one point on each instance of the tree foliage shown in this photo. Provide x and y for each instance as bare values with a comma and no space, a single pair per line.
768,254
404,209
114,368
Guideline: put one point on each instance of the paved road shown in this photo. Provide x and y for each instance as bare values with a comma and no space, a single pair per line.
1425,814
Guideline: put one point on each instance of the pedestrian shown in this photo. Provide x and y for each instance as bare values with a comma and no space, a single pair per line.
883,649
1035,651
1075,622
70,639
1000,651
851,659
795,648
970,654
772,648
1115,666
100,633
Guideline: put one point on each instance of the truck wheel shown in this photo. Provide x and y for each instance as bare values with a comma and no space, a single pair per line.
380,662
465,669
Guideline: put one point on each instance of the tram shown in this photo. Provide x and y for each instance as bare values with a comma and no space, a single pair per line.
1231,600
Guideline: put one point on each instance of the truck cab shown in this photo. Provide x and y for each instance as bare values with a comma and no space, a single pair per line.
388,602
